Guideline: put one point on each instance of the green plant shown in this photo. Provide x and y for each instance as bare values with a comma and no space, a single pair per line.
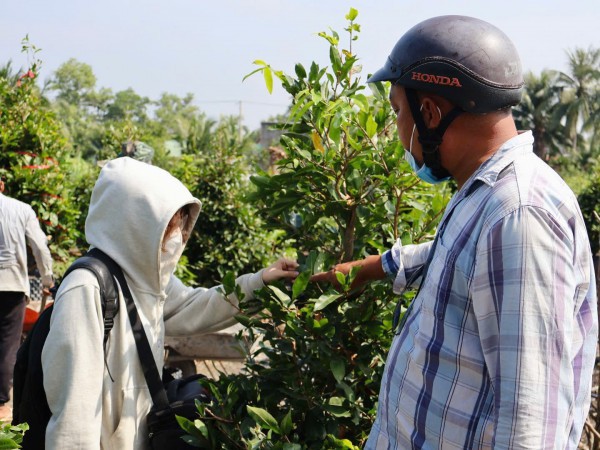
11,436
229,234
33,157
589,202
342,191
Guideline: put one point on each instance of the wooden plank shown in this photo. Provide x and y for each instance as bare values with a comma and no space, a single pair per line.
216,346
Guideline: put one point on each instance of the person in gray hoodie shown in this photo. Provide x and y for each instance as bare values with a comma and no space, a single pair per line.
141,217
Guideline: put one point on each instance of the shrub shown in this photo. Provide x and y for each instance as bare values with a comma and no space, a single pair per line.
343,191
589,202
229,234
33,158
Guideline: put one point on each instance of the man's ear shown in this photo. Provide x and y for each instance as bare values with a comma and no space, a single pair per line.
431,112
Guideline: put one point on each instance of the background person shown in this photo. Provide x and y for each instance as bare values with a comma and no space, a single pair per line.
498,346
19,227
141,217
137,150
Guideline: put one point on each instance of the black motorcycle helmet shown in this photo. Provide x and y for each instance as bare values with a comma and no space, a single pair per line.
467,61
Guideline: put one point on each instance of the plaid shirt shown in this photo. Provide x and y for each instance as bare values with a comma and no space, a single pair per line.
498,347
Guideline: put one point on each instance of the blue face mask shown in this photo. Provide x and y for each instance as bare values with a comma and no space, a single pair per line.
423,172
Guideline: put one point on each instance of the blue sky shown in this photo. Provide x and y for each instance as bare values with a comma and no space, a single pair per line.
206,47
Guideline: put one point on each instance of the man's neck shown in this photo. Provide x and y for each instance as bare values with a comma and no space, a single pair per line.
475,143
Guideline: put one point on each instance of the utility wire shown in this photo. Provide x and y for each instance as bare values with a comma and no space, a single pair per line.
242,101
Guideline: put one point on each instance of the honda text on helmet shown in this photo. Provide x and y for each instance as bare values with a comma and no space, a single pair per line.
467,61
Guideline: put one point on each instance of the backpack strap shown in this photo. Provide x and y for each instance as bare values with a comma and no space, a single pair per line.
153,379
103,267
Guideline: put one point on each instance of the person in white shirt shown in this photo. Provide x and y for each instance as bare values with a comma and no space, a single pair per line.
141,217
19,227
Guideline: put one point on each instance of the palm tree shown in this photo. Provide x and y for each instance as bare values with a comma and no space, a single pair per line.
197,132
580,94
538,112
8,73
592,126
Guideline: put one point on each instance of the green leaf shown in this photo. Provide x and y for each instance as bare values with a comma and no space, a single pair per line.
341,278
261,181
335,129
282,296
229,282
324,300
286,424
300,284
353,143
338,369
371,126
251,73
244,320
186,424
202,427
331,39
268,75
362,102
352,14
341,444
290,446
300,71
306,154
335,407
7,443
353,272
320,263
196,430
314,72
437,202
336,61
299,109
320,323
350,394
263,418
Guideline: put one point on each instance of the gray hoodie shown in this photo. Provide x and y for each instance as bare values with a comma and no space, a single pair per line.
132,203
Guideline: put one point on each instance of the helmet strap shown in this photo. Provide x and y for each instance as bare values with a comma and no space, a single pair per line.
431,138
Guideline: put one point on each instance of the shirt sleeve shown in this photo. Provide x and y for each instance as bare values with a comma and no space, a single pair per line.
402,261
72,361
524,295
39,247
191,311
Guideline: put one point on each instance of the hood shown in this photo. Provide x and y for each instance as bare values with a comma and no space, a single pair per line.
132,203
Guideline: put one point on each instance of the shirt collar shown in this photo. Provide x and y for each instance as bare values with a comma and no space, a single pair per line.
509,151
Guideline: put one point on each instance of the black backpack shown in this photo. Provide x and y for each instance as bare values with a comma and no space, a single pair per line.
29,398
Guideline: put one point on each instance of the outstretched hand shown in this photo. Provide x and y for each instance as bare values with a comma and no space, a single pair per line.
370,270
282,268
330,276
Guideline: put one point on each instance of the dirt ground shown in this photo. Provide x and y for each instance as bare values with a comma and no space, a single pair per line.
212,369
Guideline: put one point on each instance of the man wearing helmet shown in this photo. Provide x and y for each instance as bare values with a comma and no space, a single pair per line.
498,346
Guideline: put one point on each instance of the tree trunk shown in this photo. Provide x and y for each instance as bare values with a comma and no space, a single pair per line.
539,146
348,244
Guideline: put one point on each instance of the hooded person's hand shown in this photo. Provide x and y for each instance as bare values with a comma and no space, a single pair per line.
282,268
